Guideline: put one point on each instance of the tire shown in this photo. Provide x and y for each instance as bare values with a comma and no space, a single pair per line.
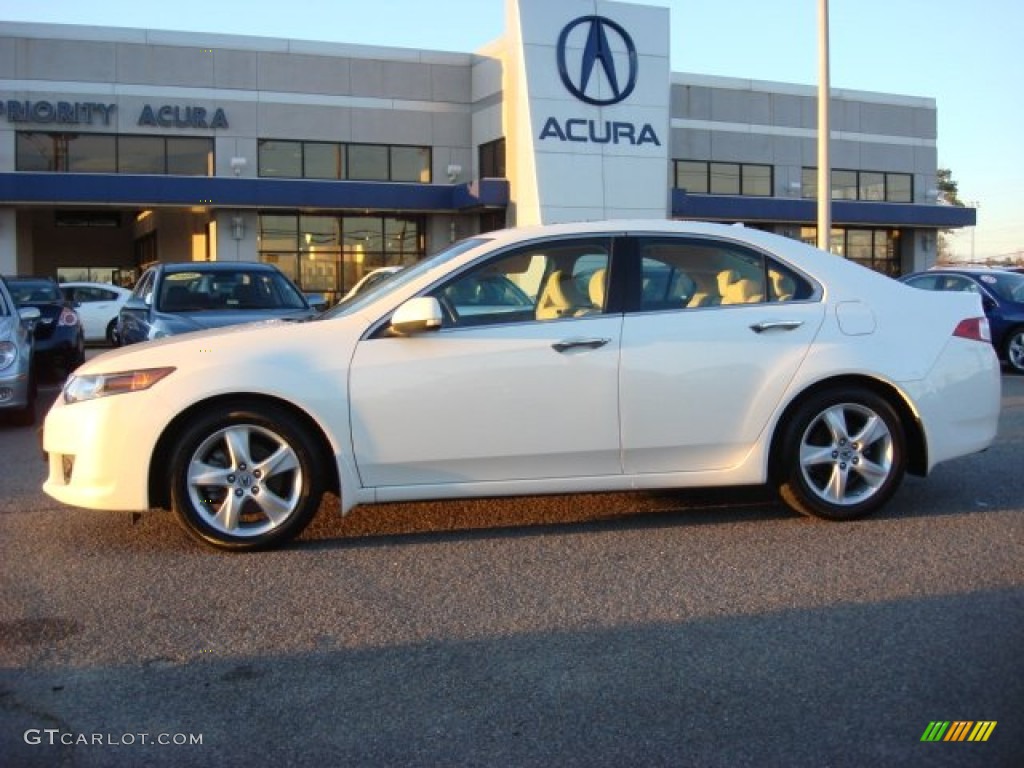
844,454
1013,349
112,333
245,478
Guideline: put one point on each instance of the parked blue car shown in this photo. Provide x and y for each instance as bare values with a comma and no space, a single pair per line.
191,296
1002,297
57,333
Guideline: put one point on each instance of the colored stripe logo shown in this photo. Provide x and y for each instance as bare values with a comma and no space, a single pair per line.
958,730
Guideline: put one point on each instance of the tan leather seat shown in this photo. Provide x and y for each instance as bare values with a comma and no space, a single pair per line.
737,290
699,299
782,285
725,279
560,298
597,288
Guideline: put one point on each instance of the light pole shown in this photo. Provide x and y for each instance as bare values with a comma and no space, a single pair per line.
974,227
824,162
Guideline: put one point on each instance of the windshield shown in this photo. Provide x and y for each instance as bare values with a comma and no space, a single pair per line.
1008,286
402,277
241,289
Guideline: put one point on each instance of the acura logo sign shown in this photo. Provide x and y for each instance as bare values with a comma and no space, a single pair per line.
597,52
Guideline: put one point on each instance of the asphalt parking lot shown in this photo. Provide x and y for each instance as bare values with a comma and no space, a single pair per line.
690,629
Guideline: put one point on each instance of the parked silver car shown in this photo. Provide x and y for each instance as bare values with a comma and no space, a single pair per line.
17,380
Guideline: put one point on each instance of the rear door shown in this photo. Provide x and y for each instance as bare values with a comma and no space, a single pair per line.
713,335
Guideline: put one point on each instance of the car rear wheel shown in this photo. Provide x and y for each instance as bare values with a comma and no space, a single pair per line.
245,478
844,454
1015,349
112,332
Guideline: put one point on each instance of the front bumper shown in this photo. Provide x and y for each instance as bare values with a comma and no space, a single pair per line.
15,389
99,451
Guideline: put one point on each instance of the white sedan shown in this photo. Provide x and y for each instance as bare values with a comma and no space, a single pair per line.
649,355
98,305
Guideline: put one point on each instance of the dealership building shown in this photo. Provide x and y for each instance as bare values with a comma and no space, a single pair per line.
123,147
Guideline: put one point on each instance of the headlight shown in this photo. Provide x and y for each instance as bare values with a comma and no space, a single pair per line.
8,354
91,386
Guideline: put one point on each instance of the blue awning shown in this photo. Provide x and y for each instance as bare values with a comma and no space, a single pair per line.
844,212
127,190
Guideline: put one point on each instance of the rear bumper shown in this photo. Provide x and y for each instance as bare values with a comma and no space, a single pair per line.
959,401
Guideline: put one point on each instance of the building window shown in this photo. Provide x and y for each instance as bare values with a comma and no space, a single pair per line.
725,178
877,249
870,186
92,153
702,178
280,159
367,162
322,161
104,153
141,154
410,164
492,160
329,254
899,188
334,161
188,156
692,176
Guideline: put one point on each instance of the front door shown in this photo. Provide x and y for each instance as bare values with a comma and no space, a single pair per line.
520,384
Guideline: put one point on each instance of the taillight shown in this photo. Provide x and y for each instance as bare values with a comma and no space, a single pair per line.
67,317
974,328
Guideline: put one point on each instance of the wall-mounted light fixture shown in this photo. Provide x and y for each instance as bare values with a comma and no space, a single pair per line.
238,165
237,227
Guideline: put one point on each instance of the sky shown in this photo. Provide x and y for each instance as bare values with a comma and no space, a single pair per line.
965,55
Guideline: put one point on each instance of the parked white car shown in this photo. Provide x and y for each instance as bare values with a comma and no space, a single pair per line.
651,355
370,279
98,305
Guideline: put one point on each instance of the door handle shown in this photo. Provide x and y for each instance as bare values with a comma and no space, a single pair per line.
776,325
591,343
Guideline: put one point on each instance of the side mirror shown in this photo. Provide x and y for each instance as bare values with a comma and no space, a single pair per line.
135,304
317,301
416,316
29,314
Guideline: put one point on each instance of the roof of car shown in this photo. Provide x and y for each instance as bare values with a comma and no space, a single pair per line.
967,270
216,266
28,278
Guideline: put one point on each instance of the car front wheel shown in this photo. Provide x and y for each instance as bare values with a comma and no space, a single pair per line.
245,478
1015,349
844,455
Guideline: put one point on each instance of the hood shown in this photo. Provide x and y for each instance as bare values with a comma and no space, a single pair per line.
185,322
181,349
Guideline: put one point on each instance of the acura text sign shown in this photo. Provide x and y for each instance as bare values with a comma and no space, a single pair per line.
589,85
45,112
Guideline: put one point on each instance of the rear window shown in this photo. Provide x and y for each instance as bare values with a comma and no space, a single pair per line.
33,291
198,291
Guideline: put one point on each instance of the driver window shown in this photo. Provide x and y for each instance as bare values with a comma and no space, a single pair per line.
541,283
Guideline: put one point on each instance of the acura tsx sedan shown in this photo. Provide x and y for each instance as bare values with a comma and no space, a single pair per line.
559,359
